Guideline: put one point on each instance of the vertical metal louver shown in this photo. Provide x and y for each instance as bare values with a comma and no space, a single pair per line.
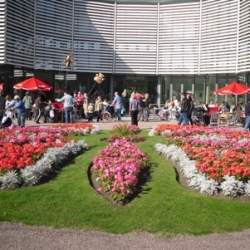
53,40
127,36
93,36
2,30
136,38
179,38
20,32
219,36
244,36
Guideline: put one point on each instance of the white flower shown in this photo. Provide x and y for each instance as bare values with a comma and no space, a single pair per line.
232,187
247,188
151,132
47,166
187,167
10,180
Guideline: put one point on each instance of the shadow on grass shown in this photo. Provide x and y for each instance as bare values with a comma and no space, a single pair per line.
57,168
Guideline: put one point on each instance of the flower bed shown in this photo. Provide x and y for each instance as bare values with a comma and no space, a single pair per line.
76,128
125,130
117,168
21,148
135,138
43,169
220,155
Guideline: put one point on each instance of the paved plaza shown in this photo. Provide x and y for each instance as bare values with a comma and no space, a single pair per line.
108,125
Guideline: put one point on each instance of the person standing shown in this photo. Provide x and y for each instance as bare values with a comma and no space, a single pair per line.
247,114
85,105
145,107
18,105
68,104
37,108
27,100
190,108
118,105
134,109
2,105
185,107
90,112
98,108
9,103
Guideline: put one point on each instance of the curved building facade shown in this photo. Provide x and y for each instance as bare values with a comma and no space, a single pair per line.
161,46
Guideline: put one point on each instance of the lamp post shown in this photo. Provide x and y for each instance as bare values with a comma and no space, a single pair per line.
98,79
68,62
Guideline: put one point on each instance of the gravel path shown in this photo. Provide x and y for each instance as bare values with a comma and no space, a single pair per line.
18,236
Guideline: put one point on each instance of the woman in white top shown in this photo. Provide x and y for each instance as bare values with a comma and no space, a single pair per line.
8,104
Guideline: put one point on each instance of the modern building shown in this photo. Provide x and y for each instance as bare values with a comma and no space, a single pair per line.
160,46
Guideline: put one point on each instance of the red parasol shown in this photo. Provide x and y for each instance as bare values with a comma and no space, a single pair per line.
33,84
234,88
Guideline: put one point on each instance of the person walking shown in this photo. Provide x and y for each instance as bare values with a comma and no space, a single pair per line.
247,114
2,105
27,100
185,107
18,106
145,107
98,108
118,105
85,105
134,109
190,108
68,104
37,108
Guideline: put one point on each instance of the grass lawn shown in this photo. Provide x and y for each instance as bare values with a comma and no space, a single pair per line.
164,205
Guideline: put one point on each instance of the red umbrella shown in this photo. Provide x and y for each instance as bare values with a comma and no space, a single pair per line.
33,84
234,88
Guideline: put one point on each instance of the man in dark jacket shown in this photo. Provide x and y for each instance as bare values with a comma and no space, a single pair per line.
185,109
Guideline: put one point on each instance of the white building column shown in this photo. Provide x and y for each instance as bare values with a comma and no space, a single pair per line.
159,91
207,94
182,90
216,96
171,91
192,88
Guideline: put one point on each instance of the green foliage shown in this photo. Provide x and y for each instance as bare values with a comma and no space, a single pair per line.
125,130
164,205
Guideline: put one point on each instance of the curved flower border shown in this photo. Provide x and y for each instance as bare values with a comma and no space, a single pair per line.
230,186
52,161
76,128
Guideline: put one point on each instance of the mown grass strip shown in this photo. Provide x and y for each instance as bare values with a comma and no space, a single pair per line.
164,206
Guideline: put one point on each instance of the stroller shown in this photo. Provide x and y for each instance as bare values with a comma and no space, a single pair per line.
163,113
198,116
108,113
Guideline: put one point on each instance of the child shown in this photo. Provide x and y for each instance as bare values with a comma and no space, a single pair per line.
90,112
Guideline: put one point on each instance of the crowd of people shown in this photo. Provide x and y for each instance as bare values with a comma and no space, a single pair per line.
71,107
